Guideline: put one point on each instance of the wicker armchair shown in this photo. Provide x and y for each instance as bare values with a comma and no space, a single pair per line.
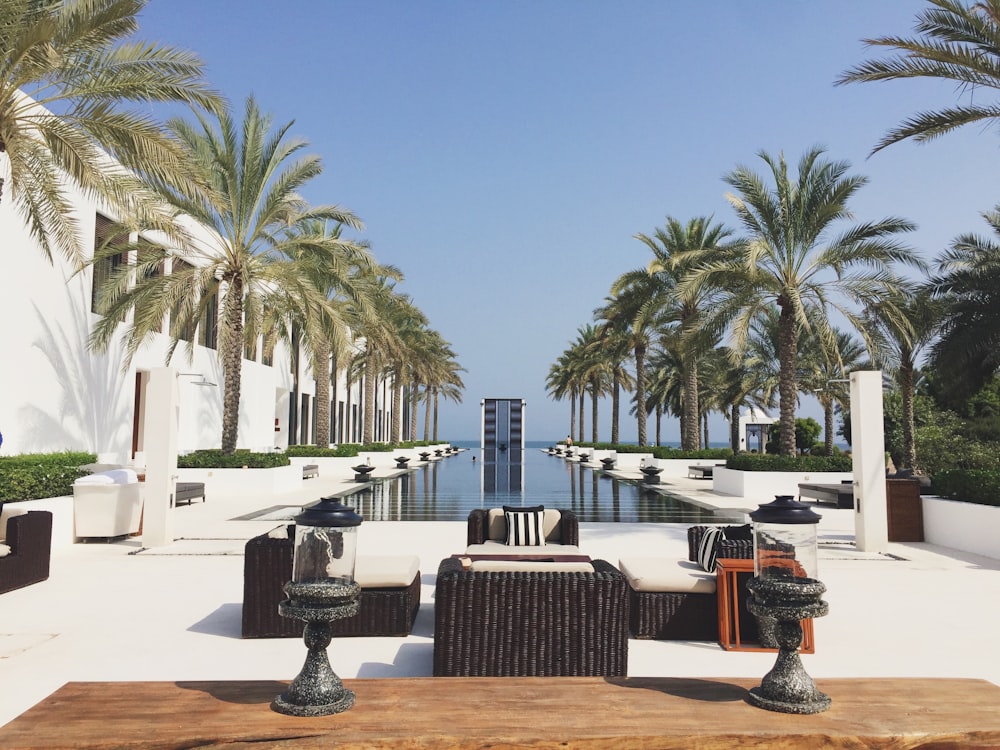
267,567
499,624
730,549
567,531
29,537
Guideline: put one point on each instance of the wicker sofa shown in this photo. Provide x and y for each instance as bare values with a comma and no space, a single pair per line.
530,623
676,600
28,536
487,528
384,610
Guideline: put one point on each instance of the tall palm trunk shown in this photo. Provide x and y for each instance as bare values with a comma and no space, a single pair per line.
397,410
368,436
828,425
572,412
349,426
322,437
640,390
581,403
615,405
734,428
593,413
334,398
232,363
689,439
414,408
427,416
704,432
906,393
435,415
788,334
659,423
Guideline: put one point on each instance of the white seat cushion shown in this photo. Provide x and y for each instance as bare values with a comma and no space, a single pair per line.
4,550
386,571
499,548
664,574
539,566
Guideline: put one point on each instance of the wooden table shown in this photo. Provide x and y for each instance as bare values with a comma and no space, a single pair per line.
731,597
570,713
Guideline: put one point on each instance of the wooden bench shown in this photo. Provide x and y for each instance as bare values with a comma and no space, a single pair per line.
842,495
188,491
310,470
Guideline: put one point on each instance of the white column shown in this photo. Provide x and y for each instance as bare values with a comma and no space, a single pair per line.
160,441
871,526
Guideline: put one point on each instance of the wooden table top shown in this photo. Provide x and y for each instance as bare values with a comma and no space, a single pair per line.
636,713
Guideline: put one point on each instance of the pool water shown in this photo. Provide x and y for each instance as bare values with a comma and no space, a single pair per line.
448,489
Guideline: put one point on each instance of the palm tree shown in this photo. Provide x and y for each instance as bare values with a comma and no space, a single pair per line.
77,58
560,383
899,343
675,246
635,314
340,269
594,371
261,259
824,366
967,279
740,382
617,349
789,258
957,42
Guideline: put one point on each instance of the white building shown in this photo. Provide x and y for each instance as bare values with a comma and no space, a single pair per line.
57,395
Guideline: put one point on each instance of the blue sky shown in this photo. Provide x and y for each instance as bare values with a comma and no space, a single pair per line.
504,154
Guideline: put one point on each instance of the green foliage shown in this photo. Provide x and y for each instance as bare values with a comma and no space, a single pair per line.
216,459
347,450
31,476
981,487
660,451
767,462
807,432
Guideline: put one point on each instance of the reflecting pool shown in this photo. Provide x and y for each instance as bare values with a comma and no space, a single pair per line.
448,489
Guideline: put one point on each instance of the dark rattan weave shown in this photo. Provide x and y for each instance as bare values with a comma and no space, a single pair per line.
500,624
29,537
673,616
731,549
267,567
478,527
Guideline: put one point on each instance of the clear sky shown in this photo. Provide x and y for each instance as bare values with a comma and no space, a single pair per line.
504,154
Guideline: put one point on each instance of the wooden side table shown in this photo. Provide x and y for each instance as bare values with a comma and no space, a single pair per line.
732,599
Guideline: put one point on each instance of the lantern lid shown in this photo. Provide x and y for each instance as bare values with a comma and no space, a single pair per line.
328,511
784,509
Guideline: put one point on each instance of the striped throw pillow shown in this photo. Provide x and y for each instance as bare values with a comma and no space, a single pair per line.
524,526
708,549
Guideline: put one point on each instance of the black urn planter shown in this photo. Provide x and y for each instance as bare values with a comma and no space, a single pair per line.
362,472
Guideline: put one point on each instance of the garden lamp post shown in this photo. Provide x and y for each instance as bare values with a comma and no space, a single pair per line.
322,590
786,589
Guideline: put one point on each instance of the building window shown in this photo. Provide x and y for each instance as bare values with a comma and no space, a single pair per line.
105,267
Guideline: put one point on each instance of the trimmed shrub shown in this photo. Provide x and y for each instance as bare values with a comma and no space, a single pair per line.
32,476
660,451
347,450
215,459
968,485
768,462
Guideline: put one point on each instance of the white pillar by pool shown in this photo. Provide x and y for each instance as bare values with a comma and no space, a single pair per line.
871,526
160,443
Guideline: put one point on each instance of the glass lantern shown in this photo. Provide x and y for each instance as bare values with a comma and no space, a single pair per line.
326,543
784,540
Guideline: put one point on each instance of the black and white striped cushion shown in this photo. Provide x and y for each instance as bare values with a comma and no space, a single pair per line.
524,526
708,550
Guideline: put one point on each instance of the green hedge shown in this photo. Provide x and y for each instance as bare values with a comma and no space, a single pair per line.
347,450
215,459
968,485
31,476
659,451
767,462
